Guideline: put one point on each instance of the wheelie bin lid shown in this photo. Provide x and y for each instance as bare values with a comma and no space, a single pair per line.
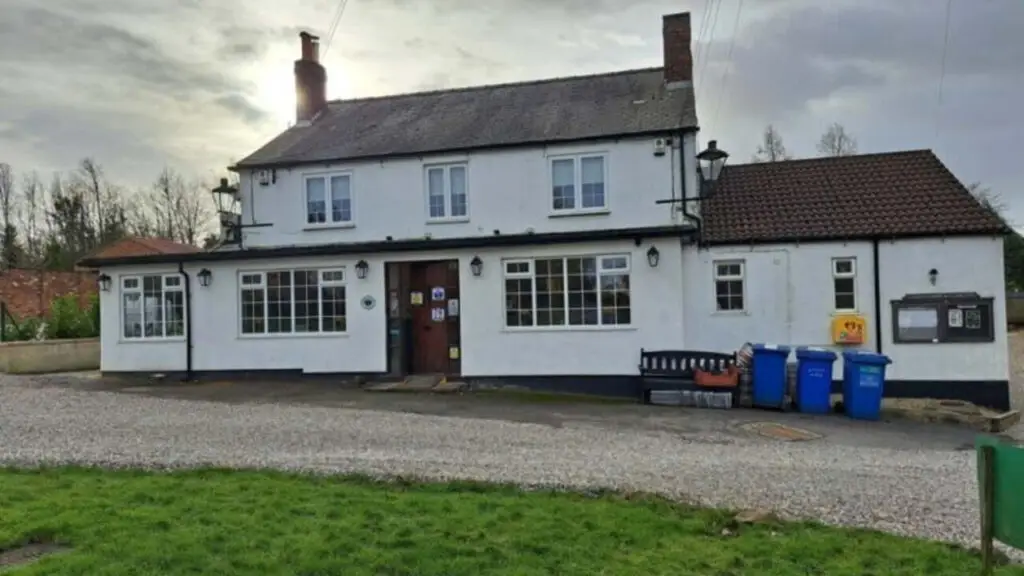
813,353
772,348
862,357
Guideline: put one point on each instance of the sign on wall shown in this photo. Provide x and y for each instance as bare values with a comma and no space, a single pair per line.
437,293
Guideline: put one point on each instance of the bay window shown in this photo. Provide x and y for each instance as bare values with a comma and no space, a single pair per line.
152,307
292,301
567,291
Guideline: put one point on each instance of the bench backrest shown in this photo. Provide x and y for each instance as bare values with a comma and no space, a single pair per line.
680,363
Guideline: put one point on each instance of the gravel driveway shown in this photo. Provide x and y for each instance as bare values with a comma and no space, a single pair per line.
908,480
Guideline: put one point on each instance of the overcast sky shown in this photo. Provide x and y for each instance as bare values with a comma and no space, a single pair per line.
196,84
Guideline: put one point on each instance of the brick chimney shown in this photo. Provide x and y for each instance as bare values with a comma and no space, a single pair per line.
676,40
310,81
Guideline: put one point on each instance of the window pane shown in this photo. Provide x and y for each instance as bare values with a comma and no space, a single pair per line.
174,312
279,302
729,294
457,175
435,192
844,266
550,292
333,275
252,311
517,268
614,263
251,279
307,307
131,283
316,201
152,306
132,315
333,298
172,281
583,304
341,199
563,178
845,297
614,299
518,302
592,173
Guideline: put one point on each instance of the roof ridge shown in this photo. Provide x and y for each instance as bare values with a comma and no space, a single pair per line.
833,158
498,85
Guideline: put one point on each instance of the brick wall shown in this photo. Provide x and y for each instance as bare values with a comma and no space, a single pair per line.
28,293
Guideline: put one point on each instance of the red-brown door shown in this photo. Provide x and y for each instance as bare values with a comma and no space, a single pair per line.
431,321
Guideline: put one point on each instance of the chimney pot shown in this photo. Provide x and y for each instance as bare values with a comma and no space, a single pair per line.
676,43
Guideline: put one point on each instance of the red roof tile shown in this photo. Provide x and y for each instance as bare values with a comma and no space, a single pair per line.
872,195
134,246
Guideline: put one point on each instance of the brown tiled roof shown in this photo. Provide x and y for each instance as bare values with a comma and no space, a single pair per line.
559,109
134,246
872,195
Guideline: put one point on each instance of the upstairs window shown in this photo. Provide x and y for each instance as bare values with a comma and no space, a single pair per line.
329,199
844,284
447,197
578,184
729,286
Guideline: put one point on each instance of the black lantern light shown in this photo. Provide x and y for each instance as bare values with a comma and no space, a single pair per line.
225,197
205,277
104,281
711,160
653,256
362,269
476,265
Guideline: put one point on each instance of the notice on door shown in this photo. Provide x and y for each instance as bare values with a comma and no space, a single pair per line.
416,298
437,314
453,307
437,293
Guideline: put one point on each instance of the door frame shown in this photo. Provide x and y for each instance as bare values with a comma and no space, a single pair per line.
400,340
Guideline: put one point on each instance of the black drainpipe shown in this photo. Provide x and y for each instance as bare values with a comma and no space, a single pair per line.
188,322
878,296
682,170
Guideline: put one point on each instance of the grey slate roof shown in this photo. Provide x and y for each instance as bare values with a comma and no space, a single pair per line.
561,109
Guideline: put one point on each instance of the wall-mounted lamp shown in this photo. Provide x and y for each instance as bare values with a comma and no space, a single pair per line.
933,276
653,256
476,265
205,277
104,282
362,269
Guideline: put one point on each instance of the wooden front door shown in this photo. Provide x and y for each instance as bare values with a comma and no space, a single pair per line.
434,328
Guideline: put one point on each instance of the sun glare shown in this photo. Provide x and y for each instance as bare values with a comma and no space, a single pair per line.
276,92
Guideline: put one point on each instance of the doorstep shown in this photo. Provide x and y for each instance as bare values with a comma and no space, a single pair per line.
419,383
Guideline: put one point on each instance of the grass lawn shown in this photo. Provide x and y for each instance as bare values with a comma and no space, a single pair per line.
232,522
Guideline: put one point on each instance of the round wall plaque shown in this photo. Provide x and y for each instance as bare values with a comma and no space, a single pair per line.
368,302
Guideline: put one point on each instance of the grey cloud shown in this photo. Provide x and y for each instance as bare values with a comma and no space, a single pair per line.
249,43
243,108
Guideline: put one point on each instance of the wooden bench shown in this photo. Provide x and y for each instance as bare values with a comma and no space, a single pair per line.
674,369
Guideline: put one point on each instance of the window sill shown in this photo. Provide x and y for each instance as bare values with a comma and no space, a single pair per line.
844,312
170,340
459,220
730,313
535,329
293,336
579,212
337,226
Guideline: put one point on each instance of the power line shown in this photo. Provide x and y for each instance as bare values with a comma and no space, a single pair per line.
335,20
942,73
711,39
728,64
705,17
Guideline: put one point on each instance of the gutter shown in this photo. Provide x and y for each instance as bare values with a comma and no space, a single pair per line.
189,375
682,170
878,295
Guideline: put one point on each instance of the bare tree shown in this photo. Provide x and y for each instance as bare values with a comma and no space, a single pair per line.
9,249
32,201
771,148
836,141
181,209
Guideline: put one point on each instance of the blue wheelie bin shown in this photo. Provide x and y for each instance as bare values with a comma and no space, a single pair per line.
769,375
814,380
864,384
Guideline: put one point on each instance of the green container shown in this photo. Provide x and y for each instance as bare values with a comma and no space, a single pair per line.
1008,489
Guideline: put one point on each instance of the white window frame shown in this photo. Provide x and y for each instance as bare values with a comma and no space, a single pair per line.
531,273
329,221
140,290
577,184
322,282
836,275
446,186
717,277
